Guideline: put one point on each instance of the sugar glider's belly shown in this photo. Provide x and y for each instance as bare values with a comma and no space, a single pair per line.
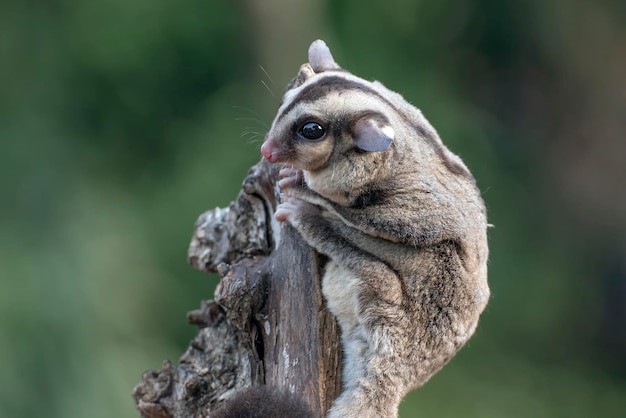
340,287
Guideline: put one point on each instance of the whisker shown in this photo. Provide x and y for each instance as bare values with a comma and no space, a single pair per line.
268,88
247,133
267,75
250,119
257,118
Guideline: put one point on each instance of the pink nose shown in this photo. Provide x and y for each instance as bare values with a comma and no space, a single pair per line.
266,150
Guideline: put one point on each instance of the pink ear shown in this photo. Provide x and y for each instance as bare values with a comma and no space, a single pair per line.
369,136
320,57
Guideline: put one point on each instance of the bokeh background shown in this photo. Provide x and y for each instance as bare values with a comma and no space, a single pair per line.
121,121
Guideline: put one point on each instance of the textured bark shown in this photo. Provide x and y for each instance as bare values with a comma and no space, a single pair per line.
266,324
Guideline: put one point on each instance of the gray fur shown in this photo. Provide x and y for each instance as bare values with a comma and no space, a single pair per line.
404,227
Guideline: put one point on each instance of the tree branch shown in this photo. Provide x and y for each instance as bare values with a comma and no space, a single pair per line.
267,323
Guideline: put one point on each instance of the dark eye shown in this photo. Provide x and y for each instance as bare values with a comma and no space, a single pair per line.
311,131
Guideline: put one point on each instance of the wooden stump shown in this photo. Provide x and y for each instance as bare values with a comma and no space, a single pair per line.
266,325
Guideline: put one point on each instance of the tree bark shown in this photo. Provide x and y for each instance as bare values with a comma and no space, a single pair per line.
266,325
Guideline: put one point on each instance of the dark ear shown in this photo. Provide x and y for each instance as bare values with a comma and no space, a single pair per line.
370,135
303,75
320,57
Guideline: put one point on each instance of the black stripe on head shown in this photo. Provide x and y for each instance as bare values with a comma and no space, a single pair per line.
326,85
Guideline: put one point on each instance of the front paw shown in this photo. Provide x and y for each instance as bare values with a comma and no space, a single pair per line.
292,209
290,178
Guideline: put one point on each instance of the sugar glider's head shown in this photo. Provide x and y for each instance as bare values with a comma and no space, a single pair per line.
327,114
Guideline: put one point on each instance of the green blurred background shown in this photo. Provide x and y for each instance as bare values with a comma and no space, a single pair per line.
122,120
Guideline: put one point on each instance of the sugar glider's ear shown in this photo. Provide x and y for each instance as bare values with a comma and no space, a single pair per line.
320,57
371,135
303,75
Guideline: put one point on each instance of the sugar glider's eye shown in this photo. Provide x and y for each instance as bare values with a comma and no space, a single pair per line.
311,131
